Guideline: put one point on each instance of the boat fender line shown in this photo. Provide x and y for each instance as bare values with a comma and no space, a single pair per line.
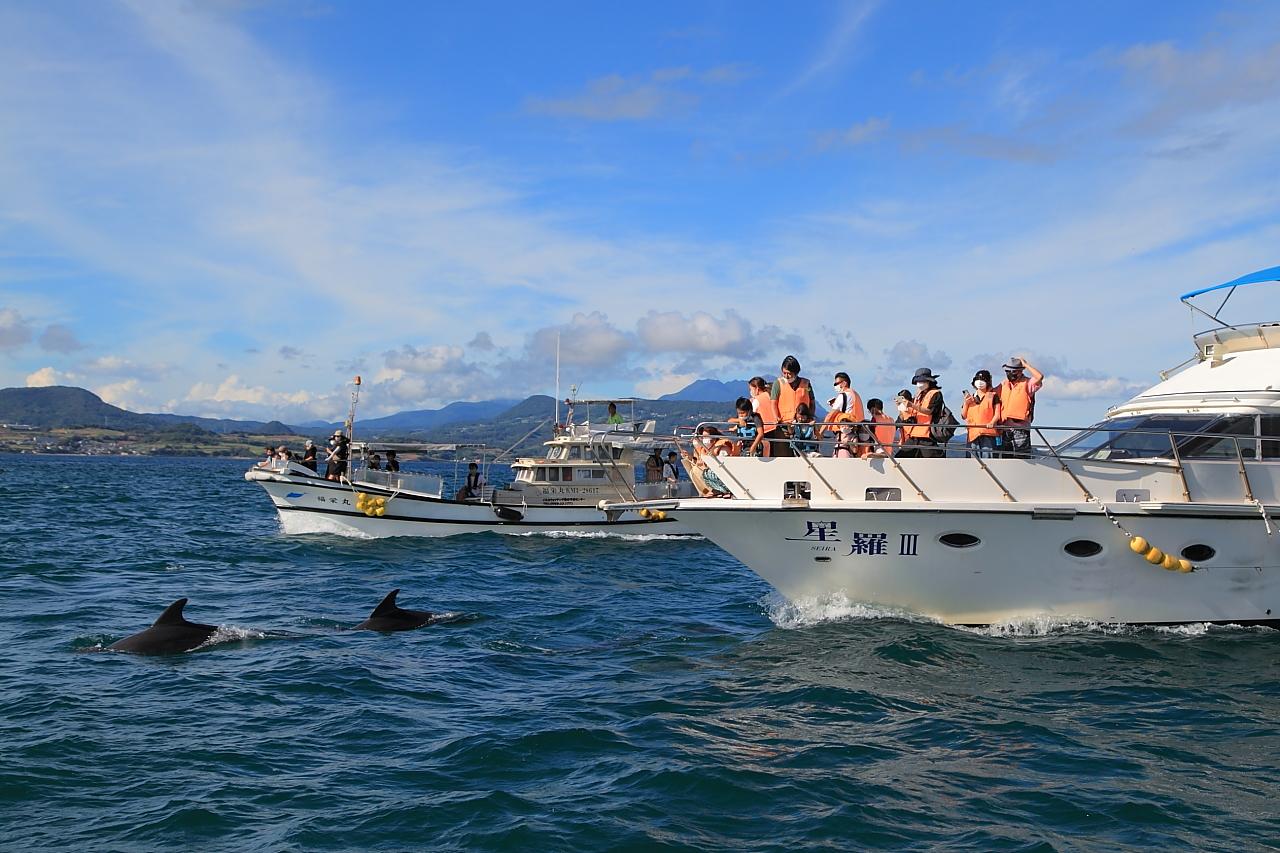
370,505
1146,550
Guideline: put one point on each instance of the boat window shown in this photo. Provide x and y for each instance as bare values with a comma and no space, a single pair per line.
1235,431
575,452
602,453
540,475
554,452
1115,439
1082,548
588,474
617,453
1270,436
566,474
553,475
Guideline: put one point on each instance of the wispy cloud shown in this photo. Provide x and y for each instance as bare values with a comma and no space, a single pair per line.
836,47
658,94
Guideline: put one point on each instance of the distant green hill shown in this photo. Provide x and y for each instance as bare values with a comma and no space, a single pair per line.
64,406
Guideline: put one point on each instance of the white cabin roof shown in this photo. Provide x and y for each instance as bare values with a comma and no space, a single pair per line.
1243,381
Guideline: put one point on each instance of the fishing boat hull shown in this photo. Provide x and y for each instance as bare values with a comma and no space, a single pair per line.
315,505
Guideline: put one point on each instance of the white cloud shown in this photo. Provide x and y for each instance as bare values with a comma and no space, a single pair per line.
855,134
127,394
664,383
47,376
615,97
118,366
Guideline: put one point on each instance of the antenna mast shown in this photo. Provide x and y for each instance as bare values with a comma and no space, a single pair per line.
351,413
557,421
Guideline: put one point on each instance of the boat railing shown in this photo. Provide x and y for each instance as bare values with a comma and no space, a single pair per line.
1165,450
400,481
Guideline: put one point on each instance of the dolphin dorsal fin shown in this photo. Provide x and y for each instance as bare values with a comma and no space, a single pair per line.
172,614
387,606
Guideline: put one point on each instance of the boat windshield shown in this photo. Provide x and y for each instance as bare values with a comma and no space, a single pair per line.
1147,437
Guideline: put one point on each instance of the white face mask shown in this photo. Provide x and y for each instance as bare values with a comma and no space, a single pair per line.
980,384
902,408
923,386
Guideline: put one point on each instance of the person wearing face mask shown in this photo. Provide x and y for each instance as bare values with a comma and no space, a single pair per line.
789,391
981,411
843,411
765,406
1018,405
921,414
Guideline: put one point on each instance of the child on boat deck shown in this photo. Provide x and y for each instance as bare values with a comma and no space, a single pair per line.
750,428
802,430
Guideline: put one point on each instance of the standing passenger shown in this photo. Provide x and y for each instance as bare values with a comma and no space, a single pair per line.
750,429
763,404
922,414
981,411
1018,407
789,391
309,455
844,411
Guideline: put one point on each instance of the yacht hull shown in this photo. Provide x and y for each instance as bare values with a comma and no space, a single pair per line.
896,558
314,505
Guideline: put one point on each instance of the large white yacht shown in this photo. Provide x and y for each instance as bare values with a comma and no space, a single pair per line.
1165,512
559,492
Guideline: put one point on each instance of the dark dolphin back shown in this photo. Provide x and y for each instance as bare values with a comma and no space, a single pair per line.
386,608
172,614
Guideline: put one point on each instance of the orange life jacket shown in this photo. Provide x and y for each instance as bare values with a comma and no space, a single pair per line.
767,409
789,398
922,419
978,413
1016,401
885,430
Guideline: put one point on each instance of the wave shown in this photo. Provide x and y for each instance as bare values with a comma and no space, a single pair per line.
604,534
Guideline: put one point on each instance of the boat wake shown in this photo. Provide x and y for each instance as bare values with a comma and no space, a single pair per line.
837,607
308,523
602,534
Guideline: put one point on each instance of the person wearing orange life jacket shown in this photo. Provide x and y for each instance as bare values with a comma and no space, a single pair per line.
919,415
882,432
1018,407
764,406
844,410
981,411
789,391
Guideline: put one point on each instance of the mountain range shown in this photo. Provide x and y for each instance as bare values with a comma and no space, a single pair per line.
497,423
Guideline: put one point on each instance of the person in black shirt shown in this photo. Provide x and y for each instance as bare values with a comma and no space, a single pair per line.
393,464
308,459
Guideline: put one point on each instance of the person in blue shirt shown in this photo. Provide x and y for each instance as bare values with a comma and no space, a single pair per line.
750,428
802,430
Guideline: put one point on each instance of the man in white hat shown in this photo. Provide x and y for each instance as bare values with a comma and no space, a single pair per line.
1018,406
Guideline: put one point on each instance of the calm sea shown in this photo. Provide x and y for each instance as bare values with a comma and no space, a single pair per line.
591,694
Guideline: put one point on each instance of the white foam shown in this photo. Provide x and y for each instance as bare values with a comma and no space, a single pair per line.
307,523
835,607
604,534
231,634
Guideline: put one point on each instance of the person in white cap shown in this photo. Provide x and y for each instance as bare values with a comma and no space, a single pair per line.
1018,407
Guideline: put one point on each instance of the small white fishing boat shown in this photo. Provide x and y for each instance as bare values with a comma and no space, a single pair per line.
1164,512
559,492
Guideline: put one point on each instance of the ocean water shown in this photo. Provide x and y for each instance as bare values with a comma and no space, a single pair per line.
585,694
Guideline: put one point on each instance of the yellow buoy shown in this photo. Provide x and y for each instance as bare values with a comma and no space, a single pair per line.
644,513
657,515
1139,545
1169,562
1155,555
1185,566
380,511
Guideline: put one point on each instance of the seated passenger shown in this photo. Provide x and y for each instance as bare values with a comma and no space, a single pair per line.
614,417
750,429
283,455
981,411
803,439
653,467
881,433
393,464
270,459
375,462
672,467
473,486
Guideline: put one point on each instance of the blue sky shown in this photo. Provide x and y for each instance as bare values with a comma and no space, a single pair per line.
230,208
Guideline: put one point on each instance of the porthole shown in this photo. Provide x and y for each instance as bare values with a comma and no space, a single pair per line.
1082,548
1198,553
959,540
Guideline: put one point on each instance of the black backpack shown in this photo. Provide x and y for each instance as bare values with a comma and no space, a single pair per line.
945,428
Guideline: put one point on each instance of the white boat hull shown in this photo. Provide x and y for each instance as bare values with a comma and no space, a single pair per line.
891,556
314,505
